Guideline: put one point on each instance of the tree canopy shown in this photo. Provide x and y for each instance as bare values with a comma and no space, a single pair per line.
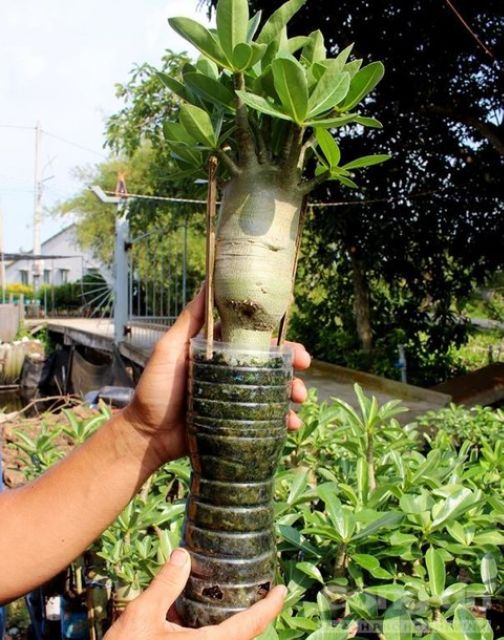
427,225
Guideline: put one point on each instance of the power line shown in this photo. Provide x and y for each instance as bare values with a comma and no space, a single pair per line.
141,196
14,126
73,144
318,205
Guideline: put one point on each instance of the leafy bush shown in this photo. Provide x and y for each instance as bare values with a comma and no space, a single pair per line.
381,530
17,289
456,424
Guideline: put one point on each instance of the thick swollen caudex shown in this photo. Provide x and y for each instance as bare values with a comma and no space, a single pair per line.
255,254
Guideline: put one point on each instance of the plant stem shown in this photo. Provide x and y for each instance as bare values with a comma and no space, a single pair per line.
304,149
243,133
370,464
309,185
226,159
339,563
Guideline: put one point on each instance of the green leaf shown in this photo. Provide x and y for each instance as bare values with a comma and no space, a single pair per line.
294,44
211,90
329,91
314,50
353,67
200,37
187,154
363,83
298,486
292,536
392,592
174,85
489,573
416,504
341,519
258,51
397,623
366,561
278,20
363,605
342,57
453,506
174,132
346,181
262,105
232,23
387,520
324,607
465,624
331,123
269,634
495,538
253,25
242,56
207,68
311,570
366,161
197,123
436,571
290,84
329,147
368,122
329,633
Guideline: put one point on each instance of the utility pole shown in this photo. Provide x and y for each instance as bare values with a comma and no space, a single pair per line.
37,210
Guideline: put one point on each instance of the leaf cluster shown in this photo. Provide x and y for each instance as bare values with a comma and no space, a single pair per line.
256,96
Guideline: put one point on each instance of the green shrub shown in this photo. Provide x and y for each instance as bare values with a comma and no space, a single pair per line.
377,533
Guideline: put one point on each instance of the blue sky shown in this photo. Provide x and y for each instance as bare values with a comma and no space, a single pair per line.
59,62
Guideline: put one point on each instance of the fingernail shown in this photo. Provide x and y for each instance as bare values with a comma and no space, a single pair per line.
178,558
282,590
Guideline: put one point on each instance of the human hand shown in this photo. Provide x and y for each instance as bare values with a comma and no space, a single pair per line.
159,405
145,617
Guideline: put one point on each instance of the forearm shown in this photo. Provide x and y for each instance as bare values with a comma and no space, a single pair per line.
49,522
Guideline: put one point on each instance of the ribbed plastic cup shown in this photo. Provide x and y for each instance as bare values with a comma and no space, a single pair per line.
238,404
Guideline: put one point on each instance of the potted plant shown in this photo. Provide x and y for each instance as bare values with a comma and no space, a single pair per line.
265,106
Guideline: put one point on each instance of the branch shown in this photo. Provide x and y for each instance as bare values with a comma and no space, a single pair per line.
244,135
292,159
263,154
490,131
226,159
304,149
265,132
309,185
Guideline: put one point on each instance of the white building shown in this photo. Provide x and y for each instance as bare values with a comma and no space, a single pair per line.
73,264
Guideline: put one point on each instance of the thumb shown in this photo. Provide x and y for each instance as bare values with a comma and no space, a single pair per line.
169,582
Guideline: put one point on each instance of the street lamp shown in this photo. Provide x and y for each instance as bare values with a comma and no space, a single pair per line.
120,272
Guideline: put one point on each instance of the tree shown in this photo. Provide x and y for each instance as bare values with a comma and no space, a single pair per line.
425,226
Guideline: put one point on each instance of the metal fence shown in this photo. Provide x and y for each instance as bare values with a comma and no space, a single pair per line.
157,281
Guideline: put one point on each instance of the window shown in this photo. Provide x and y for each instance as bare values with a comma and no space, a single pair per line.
63,275
23,274
47,276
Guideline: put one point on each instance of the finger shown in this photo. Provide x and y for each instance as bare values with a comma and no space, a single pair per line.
301,358
294,422
252,622
298,391
169,582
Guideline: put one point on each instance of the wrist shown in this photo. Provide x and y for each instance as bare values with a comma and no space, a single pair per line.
131,441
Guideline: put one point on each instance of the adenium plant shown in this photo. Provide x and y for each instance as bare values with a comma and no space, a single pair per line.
268,107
